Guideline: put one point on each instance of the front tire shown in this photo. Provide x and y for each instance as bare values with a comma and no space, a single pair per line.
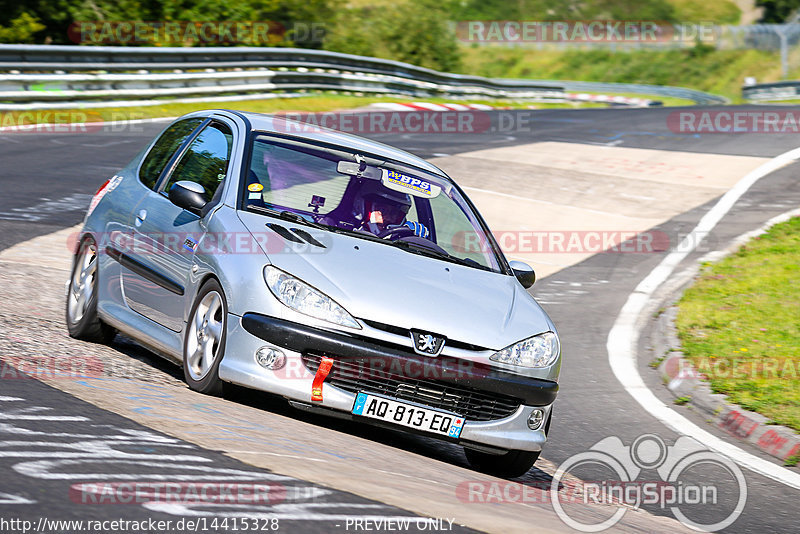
81,310
512,464
204,342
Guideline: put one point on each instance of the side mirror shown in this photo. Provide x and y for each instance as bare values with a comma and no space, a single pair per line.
188,195
524,273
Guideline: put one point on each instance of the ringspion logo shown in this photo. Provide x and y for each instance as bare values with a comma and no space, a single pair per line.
702,489
689,484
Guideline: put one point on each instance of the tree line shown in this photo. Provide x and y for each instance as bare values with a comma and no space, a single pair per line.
421,32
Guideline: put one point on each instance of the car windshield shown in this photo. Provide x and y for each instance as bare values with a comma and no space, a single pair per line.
418,212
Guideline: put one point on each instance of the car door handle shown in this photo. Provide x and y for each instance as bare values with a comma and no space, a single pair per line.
140,217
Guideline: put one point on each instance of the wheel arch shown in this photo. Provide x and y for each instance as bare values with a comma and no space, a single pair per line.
205,278
83,235
201,281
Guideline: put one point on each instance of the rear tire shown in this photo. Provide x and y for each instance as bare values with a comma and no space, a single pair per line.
204,342
512,464
81,309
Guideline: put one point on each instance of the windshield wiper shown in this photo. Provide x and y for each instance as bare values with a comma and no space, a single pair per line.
287,216
294,217
422,250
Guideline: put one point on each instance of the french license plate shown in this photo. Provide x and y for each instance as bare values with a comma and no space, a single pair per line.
400,413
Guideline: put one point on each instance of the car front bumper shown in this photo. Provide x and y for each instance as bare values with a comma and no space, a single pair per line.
294,380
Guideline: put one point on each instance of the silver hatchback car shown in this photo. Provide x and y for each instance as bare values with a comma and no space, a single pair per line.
347,276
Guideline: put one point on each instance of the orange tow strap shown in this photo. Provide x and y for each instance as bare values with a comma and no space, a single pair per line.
322,373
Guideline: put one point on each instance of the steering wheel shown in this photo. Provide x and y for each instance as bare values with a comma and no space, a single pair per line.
396,232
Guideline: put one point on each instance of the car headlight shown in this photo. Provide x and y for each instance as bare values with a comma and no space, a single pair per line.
536,351
301,297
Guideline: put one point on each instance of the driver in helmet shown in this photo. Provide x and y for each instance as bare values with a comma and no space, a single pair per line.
377,208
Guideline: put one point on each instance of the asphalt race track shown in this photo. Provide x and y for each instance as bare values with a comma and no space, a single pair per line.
45,438
47,181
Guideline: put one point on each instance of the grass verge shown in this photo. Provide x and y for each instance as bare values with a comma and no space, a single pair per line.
703,68
315,103
739,326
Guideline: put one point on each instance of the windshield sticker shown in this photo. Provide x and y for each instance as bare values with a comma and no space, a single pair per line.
254,188
253,196
408,184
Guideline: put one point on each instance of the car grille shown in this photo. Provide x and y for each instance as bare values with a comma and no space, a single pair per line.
407,333
473,404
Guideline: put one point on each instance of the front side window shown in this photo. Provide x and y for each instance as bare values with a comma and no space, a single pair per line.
205,160
410,209
163,149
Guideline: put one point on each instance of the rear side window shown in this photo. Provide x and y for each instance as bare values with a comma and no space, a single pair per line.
206,159
164,148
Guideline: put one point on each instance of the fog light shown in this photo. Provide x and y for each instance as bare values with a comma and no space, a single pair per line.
270,358
535,419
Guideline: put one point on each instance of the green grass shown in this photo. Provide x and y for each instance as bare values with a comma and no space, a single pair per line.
720,72
316,103
680,401
167,108
739,326
718,11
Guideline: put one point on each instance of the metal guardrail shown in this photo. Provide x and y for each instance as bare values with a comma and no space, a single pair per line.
766,92
150,72
44,73
698,97
52,87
